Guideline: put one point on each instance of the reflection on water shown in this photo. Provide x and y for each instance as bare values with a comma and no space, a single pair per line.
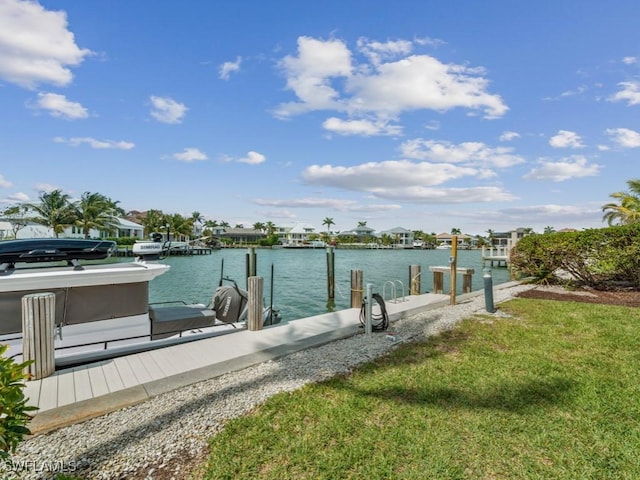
300,287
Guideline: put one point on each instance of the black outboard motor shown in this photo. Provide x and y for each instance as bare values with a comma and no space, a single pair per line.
156,237
230,304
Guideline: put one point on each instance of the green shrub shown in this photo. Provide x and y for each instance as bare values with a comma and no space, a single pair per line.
594,257
14,414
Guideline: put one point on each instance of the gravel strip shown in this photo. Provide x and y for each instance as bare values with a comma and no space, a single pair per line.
150,437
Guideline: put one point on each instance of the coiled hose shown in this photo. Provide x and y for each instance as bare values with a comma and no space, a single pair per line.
379,321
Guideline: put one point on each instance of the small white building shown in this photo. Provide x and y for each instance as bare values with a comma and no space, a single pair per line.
125,228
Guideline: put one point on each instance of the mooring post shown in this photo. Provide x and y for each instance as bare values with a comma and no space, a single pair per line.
488,291
356,288
368,326
414,279
38,323
254,319
330,272
252,260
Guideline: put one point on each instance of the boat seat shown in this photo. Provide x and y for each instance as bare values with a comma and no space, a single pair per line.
167,321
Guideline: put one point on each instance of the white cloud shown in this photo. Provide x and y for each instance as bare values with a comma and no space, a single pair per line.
36,46
624,137
5,183
381,88
167,110
630,92
566,139
341,205
508,136
190,154
468,153
44,187
389,174
253,158
364,128
379,51
418,194
19,197
93,143
58,106
572,167
227,68
630,60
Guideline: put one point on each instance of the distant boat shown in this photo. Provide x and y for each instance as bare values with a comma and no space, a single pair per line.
443,246
418,244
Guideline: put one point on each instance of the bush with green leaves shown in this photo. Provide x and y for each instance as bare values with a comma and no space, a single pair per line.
598,258
14,411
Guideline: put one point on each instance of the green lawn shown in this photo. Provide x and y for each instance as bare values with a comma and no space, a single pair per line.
552,392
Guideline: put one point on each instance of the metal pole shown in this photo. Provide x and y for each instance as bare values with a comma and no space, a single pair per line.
330,273
368,327
488,291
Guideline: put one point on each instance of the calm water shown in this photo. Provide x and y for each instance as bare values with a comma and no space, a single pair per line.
300,275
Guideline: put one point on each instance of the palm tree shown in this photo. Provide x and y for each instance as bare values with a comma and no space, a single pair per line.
94,210
54,210
456,231
259,226
628,209
196,218
153,221
270,227
328,222
362,223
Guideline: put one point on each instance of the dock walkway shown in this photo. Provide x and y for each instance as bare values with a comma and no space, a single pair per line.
76,394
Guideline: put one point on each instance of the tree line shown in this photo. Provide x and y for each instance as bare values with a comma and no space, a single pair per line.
95,211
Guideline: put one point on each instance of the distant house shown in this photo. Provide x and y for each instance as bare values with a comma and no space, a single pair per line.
401,236
447,239
295,234
123,228
361,233
504,239
240,235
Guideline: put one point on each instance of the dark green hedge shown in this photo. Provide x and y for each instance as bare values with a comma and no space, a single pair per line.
596,257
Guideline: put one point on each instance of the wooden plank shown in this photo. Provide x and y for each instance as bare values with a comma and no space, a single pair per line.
151,365
169,363
82,383
98,382
112,377
126,372
32,392
48,393
139,369
66,389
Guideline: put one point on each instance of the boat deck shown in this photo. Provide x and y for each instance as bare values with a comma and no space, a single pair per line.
79,393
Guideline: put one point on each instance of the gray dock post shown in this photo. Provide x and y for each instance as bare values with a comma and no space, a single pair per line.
38,323
368,325
488,291
331,272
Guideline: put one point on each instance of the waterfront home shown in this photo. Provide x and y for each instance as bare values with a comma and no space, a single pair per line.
122,228
239,236
361,233
464,241
295,234
402,237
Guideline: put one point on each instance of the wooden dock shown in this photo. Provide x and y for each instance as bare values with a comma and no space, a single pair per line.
498,255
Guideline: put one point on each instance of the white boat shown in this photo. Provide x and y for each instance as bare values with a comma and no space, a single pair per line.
418,244
102,309
444,246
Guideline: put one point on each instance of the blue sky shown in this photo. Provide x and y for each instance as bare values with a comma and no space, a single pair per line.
417,114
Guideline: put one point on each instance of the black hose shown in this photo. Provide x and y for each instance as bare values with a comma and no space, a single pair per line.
379,321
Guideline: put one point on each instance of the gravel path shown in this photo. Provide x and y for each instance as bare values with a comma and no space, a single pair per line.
156,439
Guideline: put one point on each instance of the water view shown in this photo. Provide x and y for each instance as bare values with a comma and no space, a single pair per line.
300,276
